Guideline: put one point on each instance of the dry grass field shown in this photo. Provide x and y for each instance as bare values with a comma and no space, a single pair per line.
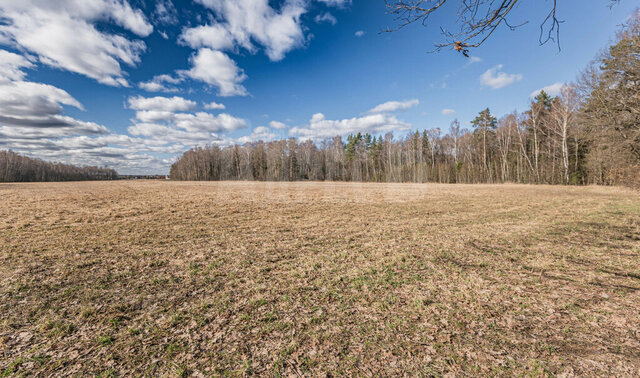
318,279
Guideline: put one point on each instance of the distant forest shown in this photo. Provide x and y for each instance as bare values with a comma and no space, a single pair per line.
18,168
588,134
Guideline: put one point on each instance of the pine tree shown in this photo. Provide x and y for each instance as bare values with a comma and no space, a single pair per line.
612,109
544,99
425,146
485,123
236,163
350,147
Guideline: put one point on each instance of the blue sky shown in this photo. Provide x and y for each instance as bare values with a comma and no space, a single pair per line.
131,85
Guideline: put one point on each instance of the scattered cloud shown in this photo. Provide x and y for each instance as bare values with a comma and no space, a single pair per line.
448,112
12,65
377,121
319,127
326,17
474,59
124,153
277,125
260,133
216,69
202,125
168,121
215,36
165,104
245,22
393,106
552,90
214,106
336,3
63,35
78,36
160,83
33,123
165,13
360,33
31,110
497,79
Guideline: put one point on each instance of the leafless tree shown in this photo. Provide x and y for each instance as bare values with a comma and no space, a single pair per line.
19,168
454,131
589,133
477,20
564,111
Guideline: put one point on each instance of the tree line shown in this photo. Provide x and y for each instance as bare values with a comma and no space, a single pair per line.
588,134
19,168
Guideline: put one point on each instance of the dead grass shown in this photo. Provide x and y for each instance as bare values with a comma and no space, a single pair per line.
170,278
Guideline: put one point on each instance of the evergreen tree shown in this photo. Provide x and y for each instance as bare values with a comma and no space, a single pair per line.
350,147
612,109
485,124
425,146
236,163
544,99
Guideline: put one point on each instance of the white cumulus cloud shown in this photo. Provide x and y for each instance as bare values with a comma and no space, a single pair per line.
474,59
32,122
217,69
336,3
320,127
252,25
245,22
497,79
168,119
277,125
393,106
31,110
165,13
32,119
161,83
215,36
167,104
215,105
12,65
378,120
260,133
552,90
62,34
326,17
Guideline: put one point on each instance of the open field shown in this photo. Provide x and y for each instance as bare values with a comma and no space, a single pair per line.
175,278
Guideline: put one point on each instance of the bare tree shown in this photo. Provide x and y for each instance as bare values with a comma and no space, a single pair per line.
454,132
564,111
19,168
434,136
521,130
504,132
595,124
477,19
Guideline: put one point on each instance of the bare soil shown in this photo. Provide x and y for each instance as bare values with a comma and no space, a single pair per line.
318,279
